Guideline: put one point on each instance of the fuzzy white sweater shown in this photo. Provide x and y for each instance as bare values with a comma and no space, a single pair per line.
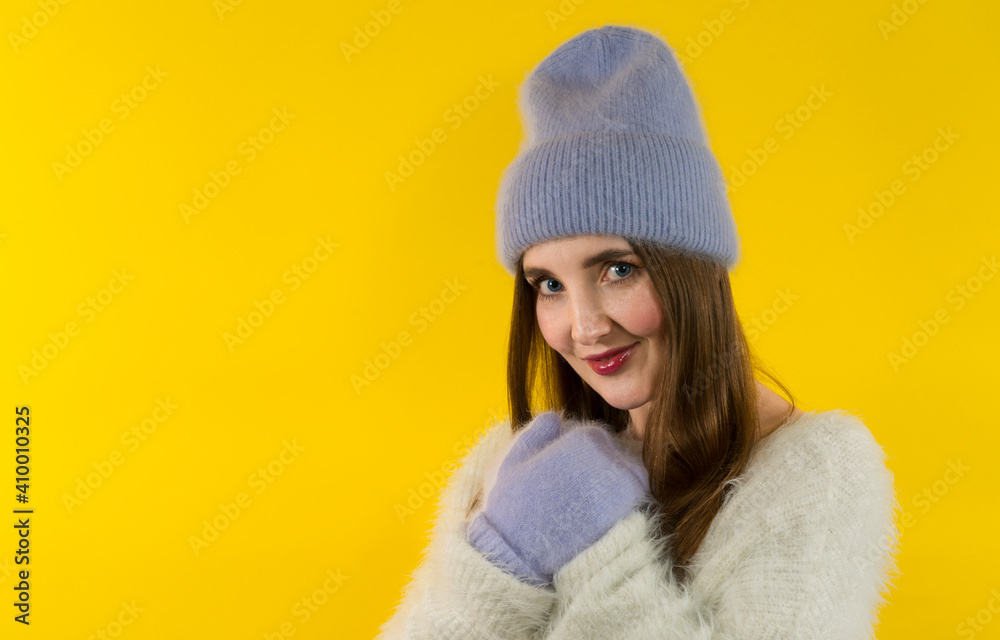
803,547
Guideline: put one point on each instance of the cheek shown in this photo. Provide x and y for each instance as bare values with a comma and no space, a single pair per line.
548,327
554,329
643,315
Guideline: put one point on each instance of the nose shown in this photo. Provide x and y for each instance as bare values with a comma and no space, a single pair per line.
590,321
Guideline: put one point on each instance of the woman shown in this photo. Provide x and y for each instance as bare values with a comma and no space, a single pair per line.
665,492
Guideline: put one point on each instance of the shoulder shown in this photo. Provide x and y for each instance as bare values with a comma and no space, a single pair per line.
820,462
816,508
819,484
823,482
822,439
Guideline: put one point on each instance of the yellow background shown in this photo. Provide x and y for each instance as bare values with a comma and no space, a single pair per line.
338,504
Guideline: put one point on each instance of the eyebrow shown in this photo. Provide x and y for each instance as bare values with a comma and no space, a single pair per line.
597,258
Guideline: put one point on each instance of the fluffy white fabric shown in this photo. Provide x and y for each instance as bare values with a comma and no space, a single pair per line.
804,547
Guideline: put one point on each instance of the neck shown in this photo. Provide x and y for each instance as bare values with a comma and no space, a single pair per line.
637,421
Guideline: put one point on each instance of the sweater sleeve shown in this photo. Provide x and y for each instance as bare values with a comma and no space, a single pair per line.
456,592
803,549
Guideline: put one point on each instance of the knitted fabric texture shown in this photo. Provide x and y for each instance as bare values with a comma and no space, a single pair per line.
802,548
615,144
559,493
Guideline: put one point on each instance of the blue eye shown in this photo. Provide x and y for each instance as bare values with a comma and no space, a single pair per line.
627,266
617,267
539,282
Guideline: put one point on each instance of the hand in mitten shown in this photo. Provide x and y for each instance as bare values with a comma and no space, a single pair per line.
556,494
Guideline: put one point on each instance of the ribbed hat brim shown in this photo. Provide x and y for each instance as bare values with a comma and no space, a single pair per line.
594,182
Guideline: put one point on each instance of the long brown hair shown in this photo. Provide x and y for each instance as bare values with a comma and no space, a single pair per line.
703,419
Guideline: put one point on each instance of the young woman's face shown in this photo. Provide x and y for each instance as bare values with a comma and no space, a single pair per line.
593,295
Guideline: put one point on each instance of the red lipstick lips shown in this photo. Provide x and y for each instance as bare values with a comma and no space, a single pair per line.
610,361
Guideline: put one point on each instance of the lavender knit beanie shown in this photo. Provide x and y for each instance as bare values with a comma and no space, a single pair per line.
614,145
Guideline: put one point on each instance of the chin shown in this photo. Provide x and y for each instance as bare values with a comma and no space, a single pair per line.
623,401
626,405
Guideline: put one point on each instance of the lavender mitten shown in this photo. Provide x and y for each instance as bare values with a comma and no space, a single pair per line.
556,494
